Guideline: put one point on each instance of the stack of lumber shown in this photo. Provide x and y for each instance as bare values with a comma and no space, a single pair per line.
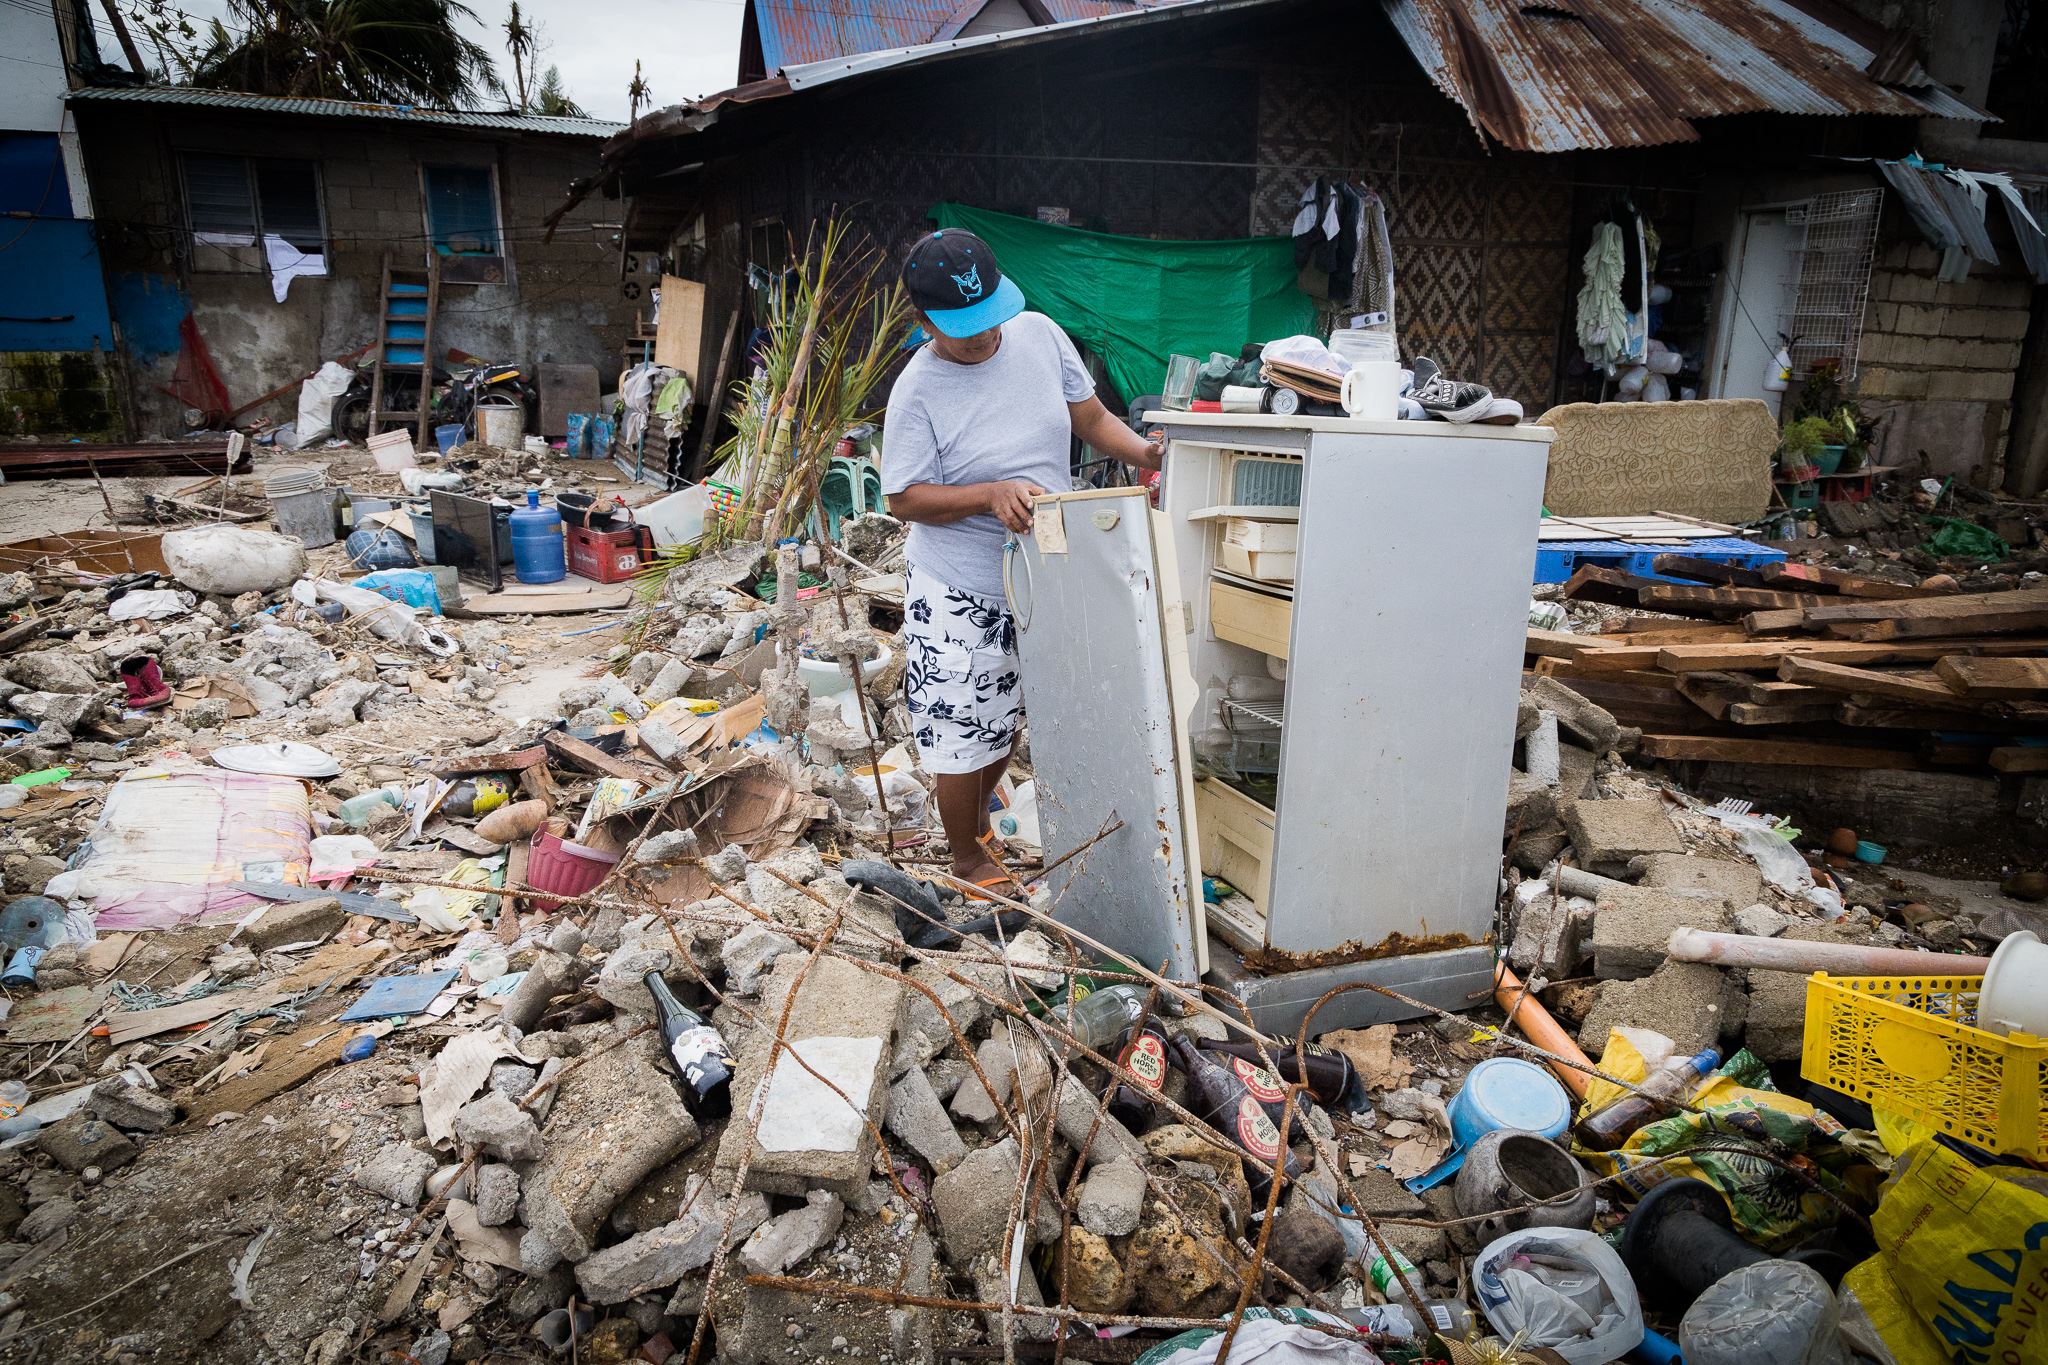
1797,664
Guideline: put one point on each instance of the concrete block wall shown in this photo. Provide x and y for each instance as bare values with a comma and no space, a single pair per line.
57,395
558,301
1938,361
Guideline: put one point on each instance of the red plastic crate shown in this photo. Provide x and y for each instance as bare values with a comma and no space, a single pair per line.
607,556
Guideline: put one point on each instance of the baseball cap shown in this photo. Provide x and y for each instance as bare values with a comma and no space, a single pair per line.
952,278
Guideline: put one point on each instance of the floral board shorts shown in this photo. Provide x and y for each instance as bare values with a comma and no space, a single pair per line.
960,675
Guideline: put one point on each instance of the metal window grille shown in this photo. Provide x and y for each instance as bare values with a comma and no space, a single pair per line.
1831,274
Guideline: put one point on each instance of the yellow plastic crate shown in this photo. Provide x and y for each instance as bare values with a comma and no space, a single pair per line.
1909,1044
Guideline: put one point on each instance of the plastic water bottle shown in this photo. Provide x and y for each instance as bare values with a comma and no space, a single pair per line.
1446,1318
358,810
539,554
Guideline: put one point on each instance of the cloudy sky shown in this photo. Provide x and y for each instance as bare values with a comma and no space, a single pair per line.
686,48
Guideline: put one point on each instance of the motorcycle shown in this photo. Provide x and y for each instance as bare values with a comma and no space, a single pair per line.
455,397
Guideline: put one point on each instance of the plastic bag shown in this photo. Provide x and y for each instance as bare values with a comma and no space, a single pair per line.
1305,351
1780,1311
1562,1288
1961,1269
316,401
1773,1207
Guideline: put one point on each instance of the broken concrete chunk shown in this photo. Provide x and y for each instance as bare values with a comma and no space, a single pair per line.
918,1118
497,1195
500,1127
749,954
623,979
47,1219
1016,1067
991,1285
1111,1199
1760,921
1590,722
787,1238
616,1118
1736,881
973,1201
1690,1003
659,1257
1608,834
125,1104
842,1024
66,710
1550,933
668,682
1098,1135
398,1173
1632,927
52,671
82,1140
295,922
1096,1281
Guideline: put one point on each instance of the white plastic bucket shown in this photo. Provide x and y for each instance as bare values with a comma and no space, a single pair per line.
2011,999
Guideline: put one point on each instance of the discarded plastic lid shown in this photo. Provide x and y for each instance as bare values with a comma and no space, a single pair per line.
1867,852
285,758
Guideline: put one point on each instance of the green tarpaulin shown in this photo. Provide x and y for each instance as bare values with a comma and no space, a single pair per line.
1134,301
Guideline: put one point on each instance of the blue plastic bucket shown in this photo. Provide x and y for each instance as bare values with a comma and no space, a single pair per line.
448,437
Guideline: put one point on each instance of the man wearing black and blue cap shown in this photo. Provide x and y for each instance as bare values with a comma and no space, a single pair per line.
978,425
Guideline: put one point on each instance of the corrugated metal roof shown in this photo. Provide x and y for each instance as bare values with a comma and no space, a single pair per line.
1570,74
285,104
801,32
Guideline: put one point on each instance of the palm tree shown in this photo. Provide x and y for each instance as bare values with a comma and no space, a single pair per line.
389,51
553,97
522,41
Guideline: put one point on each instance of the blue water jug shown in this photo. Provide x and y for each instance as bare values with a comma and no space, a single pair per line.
538,555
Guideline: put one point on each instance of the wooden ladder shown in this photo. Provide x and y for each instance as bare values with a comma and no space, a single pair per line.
408,299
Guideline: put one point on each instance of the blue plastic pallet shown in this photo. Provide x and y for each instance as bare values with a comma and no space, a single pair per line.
1557,560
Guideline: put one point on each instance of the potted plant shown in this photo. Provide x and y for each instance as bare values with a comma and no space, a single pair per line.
1800,448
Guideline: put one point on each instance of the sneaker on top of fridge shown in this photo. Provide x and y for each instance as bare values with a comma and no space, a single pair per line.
1453,400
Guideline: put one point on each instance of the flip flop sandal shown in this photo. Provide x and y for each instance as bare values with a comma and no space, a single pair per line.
991,884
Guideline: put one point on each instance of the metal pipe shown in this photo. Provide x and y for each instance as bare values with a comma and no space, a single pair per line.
1795,955
1576,881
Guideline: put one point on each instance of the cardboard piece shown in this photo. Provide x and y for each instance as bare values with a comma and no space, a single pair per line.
93,552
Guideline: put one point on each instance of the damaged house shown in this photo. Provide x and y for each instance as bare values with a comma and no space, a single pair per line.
1748,135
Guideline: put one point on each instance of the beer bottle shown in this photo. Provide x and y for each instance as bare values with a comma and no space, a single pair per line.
696,1053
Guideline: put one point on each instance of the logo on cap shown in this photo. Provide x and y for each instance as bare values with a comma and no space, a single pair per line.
970,283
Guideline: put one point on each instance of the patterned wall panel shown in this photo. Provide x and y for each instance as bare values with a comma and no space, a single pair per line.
1480,242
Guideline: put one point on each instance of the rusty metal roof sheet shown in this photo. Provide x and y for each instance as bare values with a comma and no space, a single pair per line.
403,113
800,32
1562,75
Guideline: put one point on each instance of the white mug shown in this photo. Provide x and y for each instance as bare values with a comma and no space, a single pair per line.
1372,390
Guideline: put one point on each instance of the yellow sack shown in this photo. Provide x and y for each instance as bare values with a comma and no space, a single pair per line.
1961,1271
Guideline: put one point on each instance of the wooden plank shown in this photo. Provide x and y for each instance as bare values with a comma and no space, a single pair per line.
679,335
1660,630
1780,713
283,1068
1762,656
2020,759
1839,582
1868,682
1783,752
1713,693
1763,623
1720,603
1708,570
1995,679
1591,583
2012,622
1868,713
1562,644
1959,607
1619,659
591,759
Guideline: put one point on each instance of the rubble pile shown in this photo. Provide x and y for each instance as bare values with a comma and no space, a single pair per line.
409,986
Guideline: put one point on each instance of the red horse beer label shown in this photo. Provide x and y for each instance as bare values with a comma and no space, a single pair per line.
1261,1082
1145,1058
1255,1132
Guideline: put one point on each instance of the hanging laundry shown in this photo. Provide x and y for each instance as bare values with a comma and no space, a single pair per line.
1372,294
288,263
1603,320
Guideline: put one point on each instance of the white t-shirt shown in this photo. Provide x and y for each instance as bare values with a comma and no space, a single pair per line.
1005,418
